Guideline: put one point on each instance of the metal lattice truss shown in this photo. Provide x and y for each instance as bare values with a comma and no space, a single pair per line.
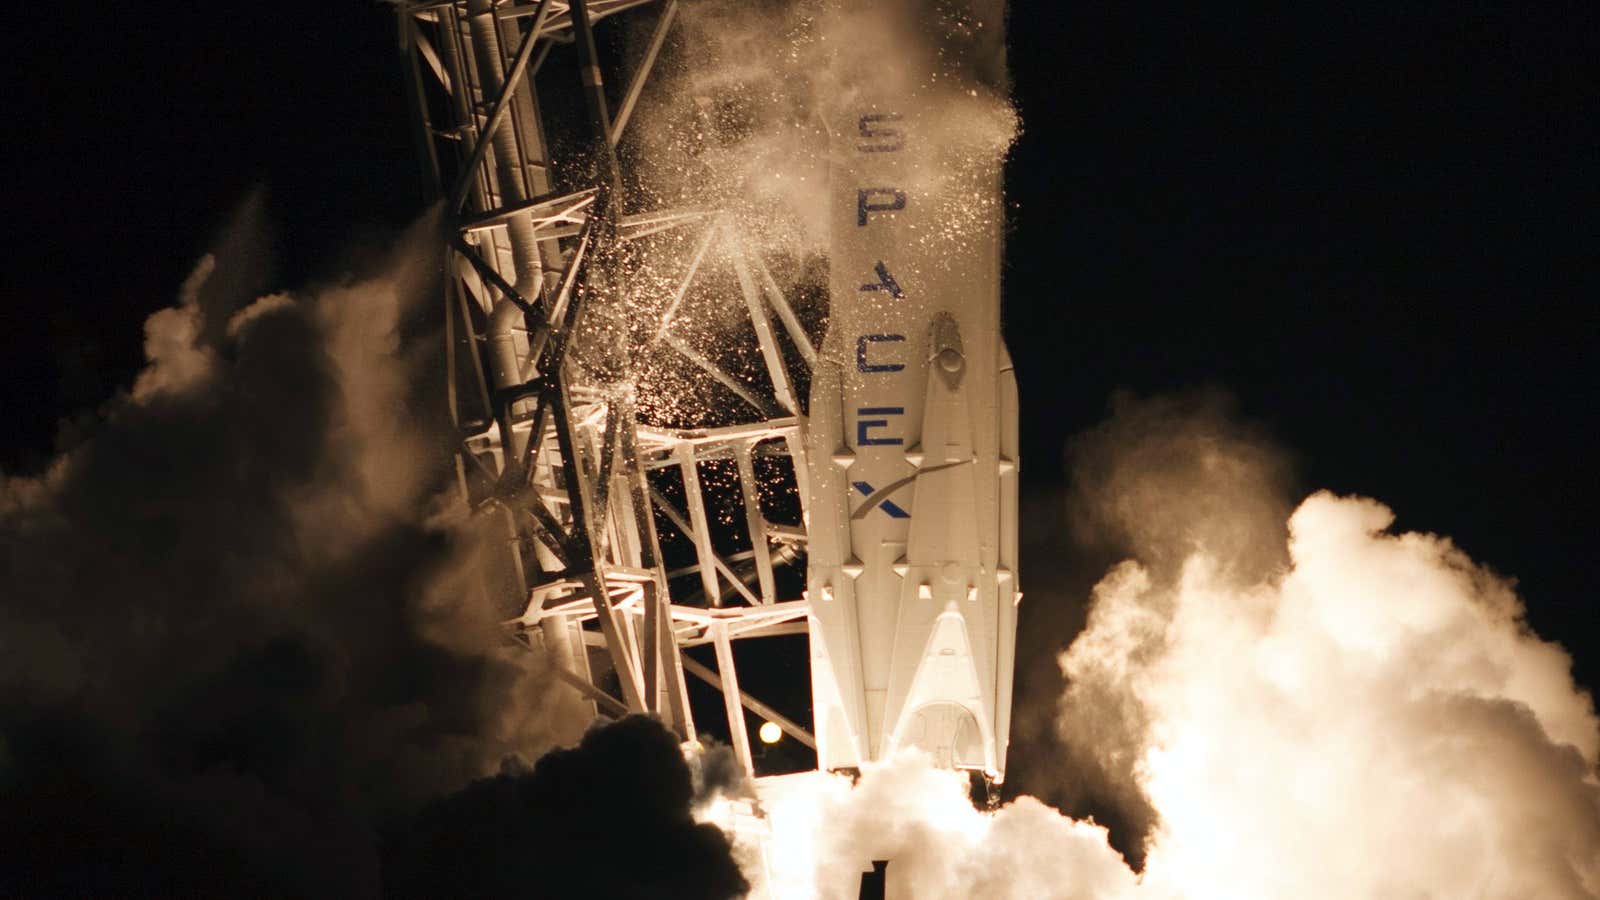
541,340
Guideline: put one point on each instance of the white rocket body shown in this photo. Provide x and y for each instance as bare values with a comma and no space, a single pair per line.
912,572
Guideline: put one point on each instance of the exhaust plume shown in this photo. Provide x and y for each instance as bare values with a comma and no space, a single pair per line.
1310,706
1378,721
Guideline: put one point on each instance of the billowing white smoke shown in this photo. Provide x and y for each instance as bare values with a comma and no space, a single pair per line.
825,832
1373,720
1376,721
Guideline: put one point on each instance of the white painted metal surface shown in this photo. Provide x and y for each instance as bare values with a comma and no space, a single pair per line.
913,443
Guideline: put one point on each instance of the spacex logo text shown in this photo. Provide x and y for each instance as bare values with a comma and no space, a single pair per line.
876,353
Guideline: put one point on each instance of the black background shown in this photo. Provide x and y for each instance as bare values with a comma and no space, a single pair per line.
1374,225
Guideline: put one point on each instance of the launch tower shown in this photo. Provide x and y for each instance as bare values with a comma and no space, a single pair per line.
852,478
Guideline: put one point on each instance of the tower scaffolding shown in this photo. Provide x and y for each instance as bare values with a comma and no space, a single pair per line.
544,346
682,432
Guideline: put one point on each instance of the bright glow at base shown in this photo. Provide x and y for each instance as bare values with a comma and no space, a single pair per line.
770,733
1380,692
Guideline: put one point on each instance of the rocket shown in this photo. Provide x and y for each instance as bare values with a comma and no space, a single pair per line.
912,433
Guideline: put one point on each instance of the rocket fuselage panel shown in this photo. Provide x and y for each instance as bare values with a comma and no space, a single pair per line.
912,443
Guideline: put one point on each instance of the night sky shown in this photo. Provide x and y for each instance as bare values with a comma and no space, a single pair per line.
1374,226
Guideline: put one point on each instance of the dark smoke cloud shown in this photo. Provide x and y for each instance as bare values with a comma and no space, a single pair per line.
241,622
717,772
609,818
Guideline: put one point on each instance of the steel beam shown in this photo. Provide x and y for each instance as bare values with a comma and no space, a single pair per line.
793,728
754,522
589,690
548,206
502,105
700,531
684,283
796,444
642,74
672,673
491,275
731,695
594,95
717,562
583,548
661,649
770,352
715,371
413,44
791,322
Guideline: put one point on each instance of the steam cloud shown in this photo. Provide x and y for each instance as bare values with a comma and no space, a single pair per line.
762,80
242,650
1326,709
242,628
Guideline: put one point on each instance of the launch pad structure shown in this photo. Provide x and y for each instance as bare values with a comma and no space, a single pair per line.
583,490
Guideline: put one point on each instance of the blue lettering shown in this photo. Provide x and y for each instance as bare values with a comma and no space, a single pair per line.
865,202
887,505
861,353
885,140
886,282
865,426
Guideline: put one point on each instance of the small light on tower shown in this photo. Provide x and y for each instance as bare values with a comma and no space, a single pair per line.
770,733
